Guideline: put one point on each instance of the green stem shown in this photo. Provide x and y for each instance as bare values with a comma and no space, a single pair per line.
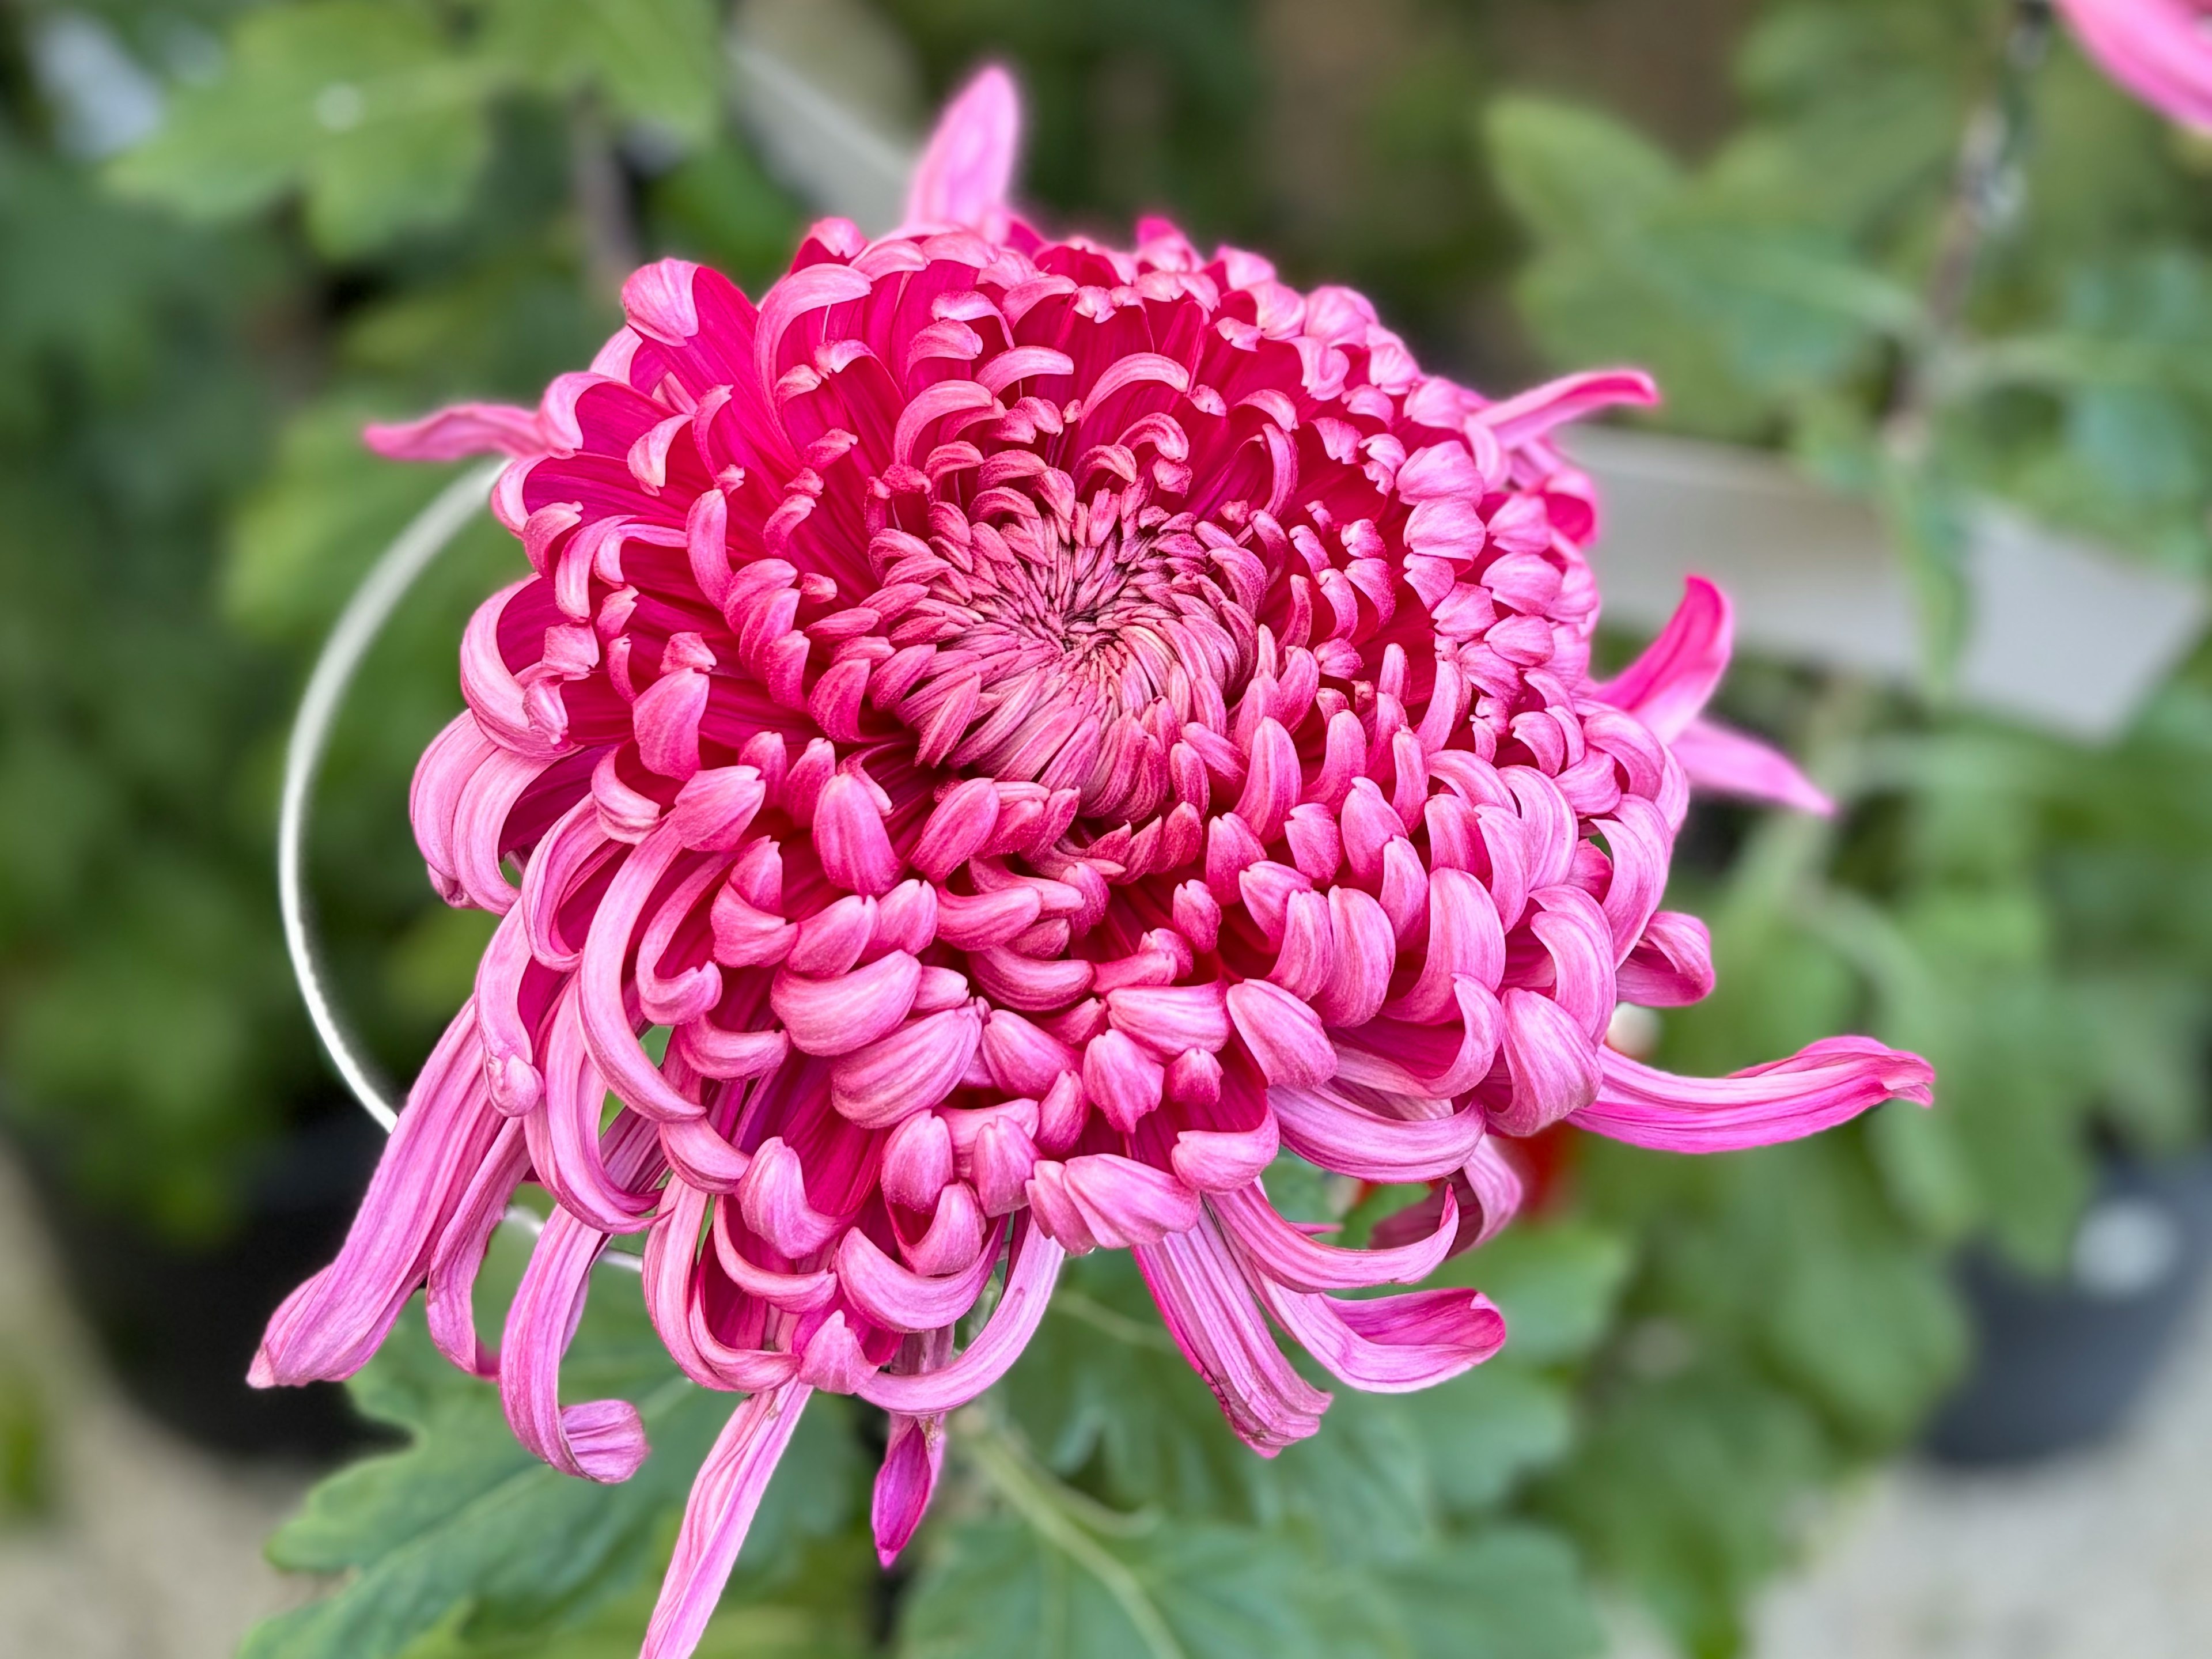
1048,1513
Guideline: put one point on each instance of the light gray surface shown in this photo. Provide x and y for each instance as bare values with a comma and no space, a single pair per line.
154,1550
2102,1555
2062,636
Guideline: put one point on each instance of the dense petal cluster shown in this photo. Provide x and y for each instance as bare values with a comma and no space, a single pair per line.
2159,50
1041,729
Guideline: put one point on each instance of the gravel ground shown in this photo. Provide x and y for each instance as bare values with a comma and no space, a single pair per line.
153,1549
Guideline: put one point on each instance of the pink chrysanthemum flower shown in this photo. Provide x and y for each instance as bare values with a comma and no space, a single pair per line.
1043,728
2159,50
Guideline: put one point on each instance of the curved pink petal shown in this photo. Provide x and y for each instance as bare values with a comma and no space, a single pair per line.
1290,1257
1392,1343
1824,1083
1032,1266
461,430
724,1500
328,1327
1728,763
968,166
1206,1297
2157,49
1669,684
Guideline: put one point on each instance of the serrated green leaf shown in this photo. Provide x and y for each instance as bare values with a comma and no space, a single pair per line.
365,104
464,1518
1513,1592
1479,1435
997,1590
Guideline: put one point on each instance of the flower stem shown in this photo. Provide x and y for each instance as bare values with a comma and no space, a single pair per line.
1044,1506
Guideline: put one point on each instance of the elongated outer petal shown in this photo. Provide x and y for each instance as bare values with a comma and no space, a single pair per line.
1392,1343
1031,1270
629,1070
724,1499
1531,414
449,1299
328,1327
1716,757
1205,1299
969,163
459,430
1822,1085
600,1440
1292,1258
1669,684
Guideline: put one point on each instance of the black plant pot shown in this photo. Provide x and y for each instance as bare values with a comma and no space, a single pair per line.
2059,1364
179,1323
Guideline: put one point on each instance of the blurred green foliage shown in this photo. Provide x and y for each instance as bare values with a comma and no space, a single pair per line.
2022,910
352,210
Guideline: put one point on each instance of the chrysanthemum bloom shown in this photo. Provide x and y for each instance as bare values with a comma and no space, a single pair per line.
2159,50
1043,728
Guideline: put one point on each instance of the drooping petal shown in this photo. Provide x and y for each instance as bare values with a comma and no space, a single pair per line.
1392,1343
1290,1257
460,430
1824,1083
724,1500
1032,1266
1208,1304
326,1330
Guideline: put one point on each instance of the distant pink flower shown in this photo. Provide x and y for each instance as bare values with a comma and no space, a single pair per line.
1045,728
2159,50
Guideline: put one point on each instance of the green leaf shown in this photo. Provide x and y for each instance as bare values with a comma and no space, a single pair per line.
364,104
464,1533
1512,1592
656,60
1479,1435
1574,176
1682,1488
999,1589
1102,1380
1555,1282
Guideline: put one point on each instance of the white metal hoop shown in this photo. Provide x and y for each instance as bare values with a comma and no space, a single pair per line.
358,626
356,629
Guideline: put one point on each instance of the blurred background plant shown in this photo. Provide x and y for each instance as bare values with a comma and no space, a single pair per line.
229,234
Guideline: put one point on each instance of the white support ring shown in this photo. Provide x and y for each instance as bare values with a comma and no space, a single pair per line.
358,626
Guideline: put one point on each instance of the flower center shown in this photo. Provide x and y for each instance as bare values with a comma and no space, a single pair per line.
1069,637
